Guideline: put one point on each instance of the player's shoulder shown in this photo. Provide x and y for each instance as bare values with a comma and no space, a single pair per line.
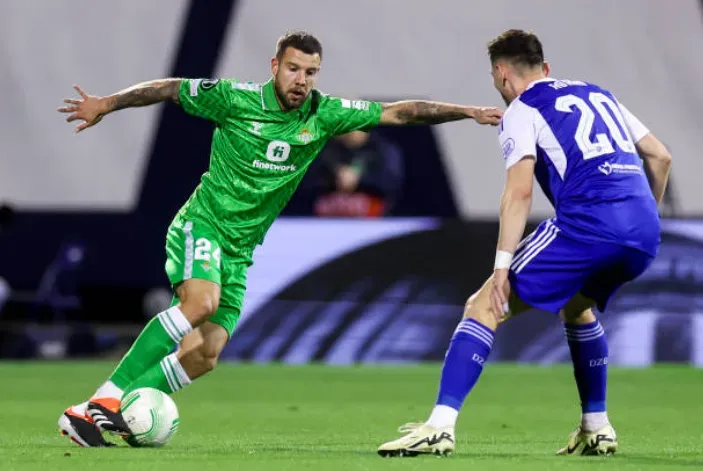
338,101
222,84
517,113
244,86
237,85
327,102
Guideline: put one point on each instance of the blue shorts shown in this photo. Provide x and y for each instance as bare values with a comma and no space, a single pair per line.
549,268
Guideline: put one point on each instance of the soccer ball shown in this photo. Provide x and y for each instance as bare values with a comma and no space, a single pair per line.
151,415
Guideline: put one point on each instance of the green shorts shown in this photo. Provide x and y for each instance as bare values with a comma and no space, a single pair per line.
194,249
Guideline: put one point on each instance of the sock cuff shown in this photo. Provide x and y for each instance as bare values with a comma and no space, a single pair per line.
110,389
585,332
176,376
594,407
475,329
174,323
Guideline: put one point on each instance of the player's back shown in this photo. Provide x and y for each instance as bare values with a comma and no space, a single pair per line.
587,164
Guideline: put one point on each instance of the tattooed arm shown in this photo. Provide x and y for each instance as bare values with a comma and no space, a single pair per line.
432,112
145,93
91,109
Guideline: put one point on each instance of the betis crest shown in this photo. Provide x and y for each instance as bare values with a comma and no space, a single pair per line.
305,137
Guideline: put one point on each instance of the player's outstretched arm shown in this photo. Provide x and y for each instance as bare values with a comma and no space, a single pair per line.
91,109
658,161
432,112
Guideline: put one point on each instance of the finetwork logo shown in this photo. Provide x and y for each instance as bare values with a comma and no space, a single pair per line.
275,167
607,168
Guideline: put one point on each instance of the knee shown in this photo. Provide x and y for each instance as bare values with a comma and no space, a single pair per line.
480,310
577,317
200,307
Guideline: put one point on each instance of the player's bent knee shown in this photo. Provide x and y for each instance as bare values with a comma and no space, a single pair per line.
579,318
200,308
198,305
479,309
471,303
483,316
199,299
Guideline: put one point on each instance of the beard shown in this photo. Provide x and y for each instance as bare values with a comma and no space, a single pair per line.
286,102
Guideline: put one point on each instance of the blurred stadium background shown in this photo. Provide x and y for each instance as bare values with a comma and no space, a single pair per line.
84,217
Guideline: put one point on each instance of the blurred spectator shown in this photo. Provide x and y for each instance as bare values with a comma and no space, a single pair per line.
357,174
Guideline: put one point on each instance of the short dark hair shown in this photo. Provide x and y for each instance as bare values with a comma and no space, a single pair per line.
300,40
517,46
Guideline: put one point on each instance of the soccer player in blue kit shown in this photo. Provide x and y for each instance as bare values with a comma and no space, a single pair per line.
587,153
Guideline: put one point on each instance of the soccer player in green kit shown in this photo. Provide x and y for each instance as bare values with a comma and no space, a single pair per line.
265,138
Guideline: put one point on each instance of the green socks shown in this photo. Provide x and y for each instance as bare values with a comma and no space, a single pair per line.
160,336
167,376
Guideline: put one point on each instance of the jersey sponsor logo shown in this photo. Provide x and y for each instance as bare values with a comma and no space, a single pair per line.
608,168
277,168
277,151
305,136
508,147
256,128
355,104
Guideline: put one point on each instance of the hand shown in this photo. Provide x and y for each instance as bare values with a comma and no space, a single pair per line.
90,109
500,293
484,115
347,178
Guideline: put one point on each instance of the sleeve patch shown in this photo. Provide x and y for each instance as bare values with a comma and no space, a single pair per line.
194,87
355,104
508,147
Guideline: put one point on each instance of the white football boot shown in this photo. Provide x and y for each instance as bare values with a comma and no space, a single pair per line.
420,439
600,442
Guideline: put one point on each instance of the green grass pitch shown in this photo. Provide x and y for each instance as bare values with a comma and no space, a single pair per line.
245,417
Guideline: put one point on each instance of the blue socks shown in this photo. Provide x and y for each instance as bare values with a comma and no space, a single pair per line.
471,345
463,363
589,353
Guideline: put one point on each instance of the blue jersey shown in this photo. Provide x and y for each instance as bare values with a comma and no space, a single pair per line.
587,164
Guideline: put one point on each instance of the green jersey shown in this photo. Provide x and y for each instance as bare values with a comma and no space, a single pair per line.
260,153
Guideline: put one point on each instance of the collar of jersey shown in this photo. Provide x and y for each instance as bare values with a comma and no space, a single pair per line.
535,82
270,103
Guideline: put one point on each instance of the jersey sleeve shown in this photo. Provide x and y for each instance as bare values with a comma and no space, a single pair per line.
634,125
211,99
341,115
518,136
